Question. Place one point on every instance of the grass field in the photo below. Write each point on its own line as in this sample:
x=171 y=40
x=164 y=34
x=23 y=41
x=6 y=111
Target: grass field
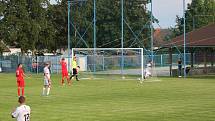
x=171 y=99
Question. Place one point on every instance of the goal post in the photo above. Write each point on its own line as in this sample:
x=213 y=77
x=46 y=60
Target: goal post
x=110 y=62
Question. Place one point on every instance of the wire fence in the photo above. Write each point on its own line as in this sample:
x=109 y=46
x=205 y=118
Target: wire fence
x=35 y=64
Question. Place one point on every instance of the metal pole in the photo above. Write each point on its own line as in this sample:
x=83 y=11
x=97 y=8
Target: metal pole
x=57 y=64
x=193 y=22
x=69 y=2
x=184 y=39
x=103 y=61
x=122 y=36
x=142 y=66
x=161 y=60
x=94 y=34
x=37 y=65
x=72 y=55
x=18 y=58
x=152 y=39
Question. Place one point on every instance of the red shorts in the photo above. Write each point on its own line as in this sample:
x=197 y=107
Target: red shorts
x=20 y=83
x=64 y=73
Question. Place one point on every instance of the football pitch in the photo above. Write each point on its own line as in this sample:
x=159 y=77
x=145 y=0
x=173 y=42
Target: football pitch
x=170 y=99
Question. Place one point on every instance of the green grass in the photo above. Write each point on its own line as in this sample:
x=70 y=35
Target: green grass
x=171 y=99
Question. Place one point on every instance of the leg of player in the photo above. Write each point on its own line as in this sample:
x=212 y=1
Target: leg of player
x=76 y=76
x=62 y=81
x=18 y=87
x=71 y=76
x=73 y=73
x=179 y=71
x=48 y=89
x=144 y=77
x=45 y=87
x=68 y=80
x=77 y=69
x=44 y=90
x=18 y=91
x=23 y=87
x=23 y=91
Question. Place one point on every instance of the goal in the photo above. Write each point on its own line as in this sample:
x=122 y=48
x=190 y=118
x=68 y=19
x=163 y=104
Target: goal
x=111 y=63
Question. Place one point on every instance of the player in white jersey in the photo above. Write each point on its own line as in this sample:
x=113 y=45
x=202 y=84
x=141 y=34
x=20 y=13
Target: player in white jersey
x=148 y=70
x=22 y=113
x=47 y=80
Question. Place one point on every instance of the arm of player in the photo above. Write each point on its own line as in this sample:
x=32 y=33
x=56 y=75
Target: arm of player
x=15 y=113
x=17 y=73
x=26 y=75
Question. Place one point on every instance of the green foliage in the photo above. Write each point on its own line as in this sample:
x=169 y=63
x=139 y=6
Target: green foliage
x=36 y=24
x=199 y=13
x=24 y=23
x=108 y=22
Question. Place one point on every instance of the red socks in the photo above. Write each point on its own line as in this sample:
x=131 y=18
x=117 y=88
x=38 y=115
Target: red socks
x=62 y=81
x=18 y=91
x=22 y=91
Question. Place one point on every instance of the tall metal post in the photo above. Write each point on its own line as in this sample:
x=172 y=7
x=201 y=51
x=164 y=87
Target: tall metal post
x=142 y=66
x=69 y=3
x=122 y=36
x=37 y=60
x=193 y=23
x=152 y=39
x=184 y=38
x=94 y=34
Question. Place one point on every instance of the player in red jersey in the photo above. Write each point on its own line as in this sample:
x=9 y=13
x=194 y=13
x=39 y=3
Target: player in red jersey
x=64 y=71
x=20 y=79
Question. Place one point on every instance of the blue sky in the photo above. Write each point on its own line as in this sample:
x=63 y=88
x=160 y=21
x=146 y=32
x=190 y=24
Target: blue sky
x=165 y=11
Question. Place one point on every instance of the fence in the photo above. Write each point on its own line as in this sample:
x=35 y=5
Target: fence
x=35 y=64
x=32 y=64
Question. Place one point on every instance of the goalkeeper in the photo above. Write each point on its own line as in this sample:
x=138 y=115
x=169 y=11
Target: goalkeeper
x=148 y=70
x=74 y=69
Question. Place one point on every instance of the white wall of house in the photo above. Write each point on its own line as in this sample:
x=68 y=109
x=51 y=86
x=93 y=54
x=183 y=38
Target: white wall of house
x=13 y=51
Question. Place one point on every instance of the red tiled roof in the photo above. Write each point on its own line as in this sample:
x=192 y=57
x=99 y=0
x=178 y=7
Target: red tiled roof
x=203 y=37
x=159 y=36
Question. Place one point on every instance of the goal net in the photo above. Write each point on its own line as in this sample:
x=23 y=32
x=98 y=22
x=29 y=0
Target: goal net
x=110 y=63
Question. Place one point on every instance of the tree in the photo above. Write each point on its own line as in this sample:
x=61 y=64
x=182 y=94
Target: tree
x=24 y=24
x=108 y=23
x=199 y=13
x=36 y=24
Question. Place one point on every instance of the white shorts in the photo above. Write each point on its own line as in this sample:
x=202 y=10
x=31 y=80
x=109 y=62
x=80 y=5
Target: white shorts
x=147 y=72
x=46 y=82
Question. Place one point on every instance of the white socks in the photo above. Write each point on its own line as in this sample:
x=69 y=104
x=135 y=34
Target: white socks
x=46 y=92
